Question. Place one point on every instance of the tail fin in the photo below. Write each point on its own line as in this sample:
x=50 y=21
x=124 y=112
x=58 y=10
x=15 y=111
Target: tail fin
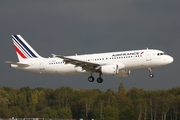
x=23 y=49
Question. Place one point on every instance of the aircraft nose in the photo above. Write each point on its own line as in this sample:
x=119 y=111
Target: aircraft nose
x=170 y=59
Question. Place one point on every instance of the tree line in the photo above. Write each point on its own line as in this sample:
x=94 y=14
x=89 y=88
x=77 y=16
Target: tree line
x=65 y=102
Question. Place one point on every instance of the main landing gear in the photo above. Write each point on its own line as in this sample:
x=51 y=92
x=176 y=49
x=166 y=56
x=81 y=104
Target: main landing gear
x=91 y=78
x=151 y=75
x=99 y=79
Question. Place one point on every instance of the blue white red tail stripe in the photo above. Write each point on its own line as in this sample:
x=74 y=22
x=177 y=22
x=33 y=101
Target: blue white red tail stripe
x=17 y=38
x=19 y=52
x=23 y=49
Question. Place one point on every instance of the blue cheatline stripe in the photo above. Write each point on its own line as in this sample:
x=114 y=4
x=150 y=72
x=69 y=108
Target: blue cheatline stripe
x=17 y=38
x=20 y=46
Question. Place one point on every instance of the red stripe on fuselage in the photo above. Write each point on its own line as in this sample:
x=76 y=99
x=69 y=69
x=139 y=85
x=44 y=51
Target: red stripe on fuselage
x=19 y=52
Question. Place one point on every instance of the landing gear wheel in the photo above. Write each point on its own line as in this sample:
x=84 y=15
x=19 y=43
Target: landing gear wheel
x=91 y=79
x=151 y=75
x=99 y=80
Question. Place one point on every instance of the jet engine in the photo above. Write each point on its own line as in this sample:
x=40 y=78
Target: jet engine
x=109 y=69
x=112 y=69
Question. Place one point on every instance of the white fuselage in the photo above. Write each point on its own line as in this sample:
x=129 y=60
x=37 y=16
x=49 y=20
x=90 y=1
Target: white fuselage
x=135 y=59
x=118 y=64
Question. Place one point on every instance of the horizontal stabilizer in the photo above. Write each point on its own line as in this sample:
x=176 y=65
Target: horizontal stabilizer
x=17 y=63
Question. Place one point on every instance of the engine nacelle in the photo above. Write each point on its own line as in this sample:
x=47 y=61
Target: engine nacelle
x=109 y=69
x=112 y=69
x=123 y=73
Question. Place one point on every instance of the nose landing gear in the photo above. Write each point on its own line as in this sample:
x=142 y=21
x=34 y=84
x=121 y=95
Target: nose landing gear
x=151 y=75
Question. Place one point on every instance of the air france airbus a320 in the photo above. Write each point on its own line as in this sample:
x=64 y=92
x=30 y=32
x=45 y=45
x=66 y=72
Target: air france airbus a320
x=117 y=64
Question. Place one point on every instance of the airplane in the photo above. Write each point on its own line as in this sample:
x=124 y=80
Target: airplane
x=117 y=64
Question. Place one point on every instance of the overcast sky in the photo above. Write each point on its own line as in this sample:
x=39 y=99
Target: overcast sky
x=69 y=27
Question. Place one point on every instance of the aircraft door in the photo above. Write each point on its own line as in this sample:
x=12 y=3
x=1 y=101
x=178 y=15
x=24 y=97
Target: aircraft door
x=41 y=65
x=148 y=56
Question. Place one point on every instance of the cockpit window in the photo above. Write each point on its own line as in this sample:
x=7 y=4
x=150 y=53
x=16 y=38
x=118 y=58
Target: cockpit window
x=161 y=54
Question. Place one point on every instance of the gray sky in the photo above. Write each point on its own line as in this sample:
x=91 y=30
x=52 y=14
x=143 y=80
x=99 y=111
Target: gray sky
x=68 y=27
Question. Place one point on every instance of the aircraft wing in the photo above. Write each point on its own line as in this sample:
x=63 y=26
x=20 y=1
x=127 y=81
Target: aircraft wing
x=17 y=63
x=79 y=63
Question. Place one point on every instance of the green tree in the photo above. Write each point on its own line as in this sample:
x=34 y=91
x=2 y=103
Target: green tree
x=49 y=113
x=137 y=97
x=126 y=108
x=110 y=113
x=22 y=103
x=63 y=96
x=35 y=96
x=110 y=98
x=16 y=112
x=4 y=102
x=165 y=103
x=121 y=89
x=64 y=113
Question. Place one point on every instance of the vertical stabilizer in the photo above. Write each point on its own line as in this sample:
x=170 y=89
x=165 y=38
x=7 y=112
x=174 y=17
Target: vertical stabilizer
x=23 y=49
